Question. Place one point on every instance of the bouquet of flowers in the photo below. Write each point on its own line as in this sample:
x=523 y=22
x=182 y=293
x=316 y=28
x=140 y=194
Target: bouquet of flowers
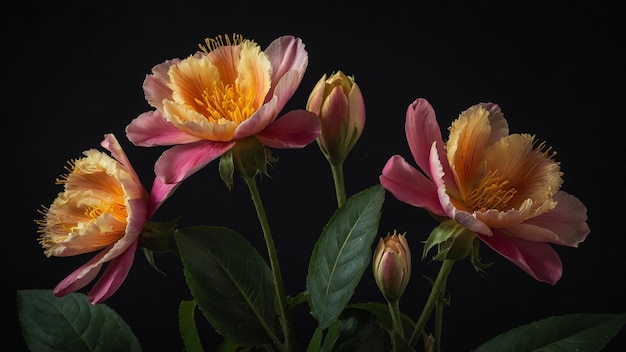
x=485 y=187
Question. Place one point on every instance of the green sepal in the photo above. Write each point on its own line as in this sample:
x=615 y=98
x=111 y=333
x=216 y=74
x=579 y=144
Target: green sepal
x=227 y=169
x=158 y=237
x=475 y=257
x=453 y=240
x=249 y=157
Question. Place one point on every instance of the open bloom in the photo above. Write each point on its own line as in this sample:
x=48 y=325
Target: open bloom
x=209 y=101
x=505 y=188
x=391 y=264
x=103 y=208
x=339 y=103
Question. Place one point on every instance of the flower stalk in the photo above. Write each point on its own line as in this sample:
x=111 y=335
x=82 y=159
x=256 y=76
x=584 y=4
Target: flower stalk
x=433 y=299
x=336 y=167
x=290 y=341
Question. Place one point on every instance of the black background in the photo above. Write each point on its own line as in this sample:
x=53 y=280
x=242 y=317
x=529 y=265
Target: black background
x=73 y=72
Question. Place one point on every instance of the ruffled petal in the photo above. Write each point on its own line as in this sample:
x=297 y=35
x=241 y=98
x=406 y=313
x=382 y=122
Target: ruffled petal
x=155 y=86
x=113 y=276
x=568 y=220
x=409 y=185
x=499 y=125
x=538 y=259
x=181 y=161
x=152 y=129
x=466 y=219
x=295 y=129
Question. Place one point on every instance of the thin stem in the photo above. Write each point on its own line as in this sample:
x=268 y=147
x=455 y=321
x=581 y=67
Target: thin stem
x=396 y=318
x=435 y=294
x=290 y=342
x=439 y=318
x=336 y=167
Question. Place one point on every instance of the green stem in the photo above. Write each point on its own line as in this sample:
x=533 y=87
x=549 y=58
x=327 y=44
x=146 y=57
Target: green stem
x=434 y=297
x=396 y=318
x=290 y=342
x=439 y=317
x=336 y=167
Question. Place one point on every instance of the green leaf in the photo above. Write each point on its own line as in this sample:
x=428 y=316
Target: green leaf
x=574 y=332
x=381 y=311
x=71 y=323
x=315 y=344
x=187 y=326
x=342 y=253
x=231 y=283
x=359 y=331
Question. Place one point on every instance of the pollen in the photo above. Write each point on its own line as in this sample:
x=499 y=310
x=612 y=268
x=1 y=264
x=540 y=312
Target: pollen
x=491 y=193
x=220 y=41
x=226 y=102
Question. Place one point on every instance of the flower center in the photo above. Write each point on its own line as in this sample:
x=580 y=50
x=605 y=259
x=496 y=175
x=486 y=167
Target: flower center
x=491 y=193
x=226 y=102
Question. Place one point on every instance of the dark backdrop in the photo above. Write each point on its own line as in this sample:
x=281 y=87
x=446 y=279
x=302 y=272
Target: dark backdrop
x=73 y=72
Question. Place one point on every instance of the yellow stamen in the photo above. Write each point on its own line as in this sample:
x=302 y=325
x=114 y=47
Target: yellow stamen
x=490 y=193
x=224 y=102
x=219 y=41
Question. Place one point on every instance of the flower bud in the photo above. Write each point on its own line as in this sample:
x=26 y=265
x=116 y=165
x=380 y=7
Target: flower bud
x=392 y=266
x=338 y=102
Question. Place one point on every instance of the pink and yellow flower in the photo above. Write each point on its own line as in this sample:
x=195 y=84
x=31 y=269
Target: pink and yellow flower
x=232 y=90
x=503 y=187
x=103 y=208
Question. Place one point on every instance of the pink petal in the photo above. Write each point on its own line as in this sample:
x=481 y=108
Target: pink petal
x=111 y=144
x=409 y=185
x=181 y=161
x=568 y=220
x=113 y=276
x=499 y=125
x=258 y=121
x=155 y=85
x=137 y=219
x=151 y=129
x=286 y=54
x=464 y=218
x=538 y=259
x=159 y=193
x=80 y=277
x=285 y=88
x=422 y=130
x=295 y=129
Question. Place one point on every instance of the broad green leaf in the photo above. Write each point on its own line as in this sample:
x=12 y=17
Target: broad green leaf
x=231 y=283
x=187 y=326
x=359 y=330
x=381 y=311
x=573 y=332
x=315 y=344
x=71 y=323
x=342 y=253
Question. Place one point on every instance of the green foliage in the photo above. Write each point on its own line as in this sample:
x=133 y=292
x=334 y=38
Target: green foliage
x=231 y=283
x=574 y=332
x=187 y=326
x=342 y=253
x=71 y=323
